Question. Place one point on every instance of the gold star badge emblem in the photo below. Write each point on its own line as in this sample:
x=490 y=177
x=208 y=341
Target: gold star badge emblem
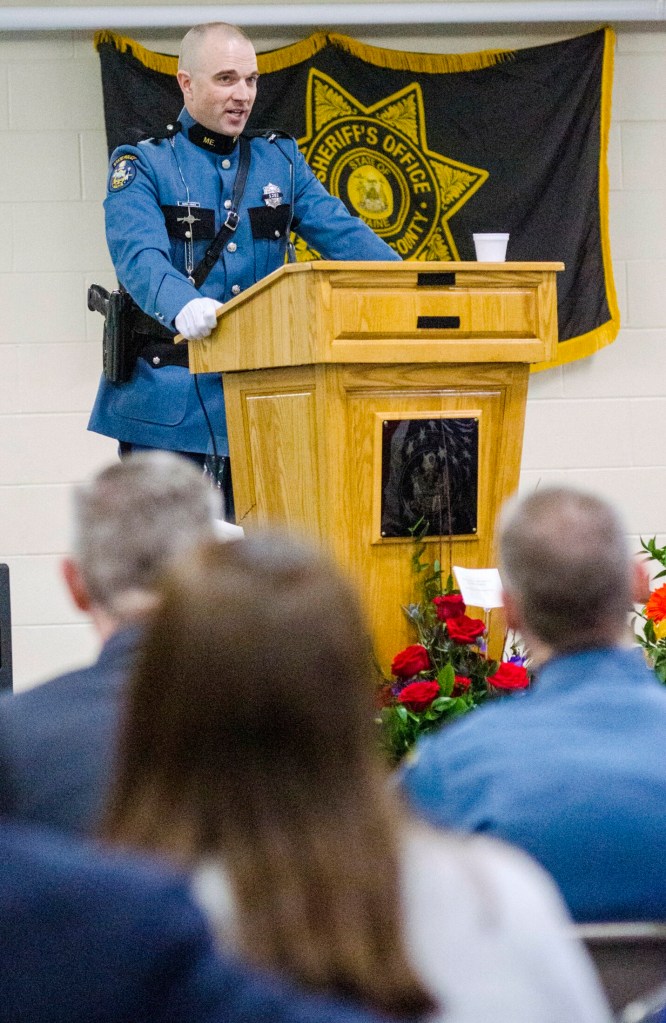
x=376 y=160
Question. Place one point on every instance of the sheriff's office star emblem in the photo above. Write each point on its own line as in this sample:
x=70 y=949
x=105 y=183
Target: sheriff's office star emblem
x=376 y=160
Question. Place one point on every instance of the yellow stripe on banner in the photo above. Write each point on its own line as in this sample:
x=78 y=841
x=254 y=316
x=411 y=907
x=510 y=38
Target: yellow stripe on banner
x=578 y=347
x=288 y=56
x=163 y=62
x=296 y=53
x=435 y=63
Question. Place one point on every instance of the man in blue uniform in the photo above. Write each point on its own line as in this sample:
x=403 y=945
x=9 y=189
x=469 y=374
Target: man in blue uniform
x=574 y=771
x=167 y=198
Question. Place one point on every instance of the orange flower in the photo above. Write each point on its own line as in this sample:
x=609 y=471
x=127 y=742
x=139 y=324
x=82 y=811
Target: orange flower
x=655 y=609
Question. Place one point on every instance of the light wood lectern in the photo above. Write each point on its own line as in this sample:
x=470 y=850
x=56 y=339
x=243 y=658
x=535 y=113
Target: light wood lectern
x=350 y=387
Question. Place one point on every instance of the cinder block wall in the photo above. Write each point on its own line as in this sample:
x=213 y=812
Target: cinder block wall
x=598 y=422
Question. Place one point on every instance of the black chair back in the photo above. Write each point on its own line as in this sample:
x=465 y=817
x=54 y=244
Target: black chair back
x=6 y=672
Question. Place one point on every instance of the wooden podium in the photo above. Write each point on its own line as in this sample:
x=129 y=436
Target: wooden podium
x=332 y=370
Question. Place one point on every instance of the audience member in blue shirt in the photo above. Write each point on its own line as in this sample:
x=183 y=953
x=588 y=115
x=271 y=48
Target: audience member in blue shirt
x=574 y=771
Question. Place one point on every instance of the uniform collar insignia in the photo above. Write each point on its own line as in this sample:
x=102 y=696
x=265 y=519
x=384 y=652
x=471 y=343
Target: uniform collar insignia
x=211 y=140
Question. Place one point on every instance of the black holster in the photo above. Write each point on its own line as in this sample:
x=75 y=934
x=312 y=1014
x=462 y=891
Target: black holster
x=119 y=352
x=129 y=334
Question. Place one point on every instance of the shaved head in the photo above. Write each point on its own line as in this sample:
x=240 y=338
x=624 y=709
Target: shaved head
x=190 y=47
x=218 y=74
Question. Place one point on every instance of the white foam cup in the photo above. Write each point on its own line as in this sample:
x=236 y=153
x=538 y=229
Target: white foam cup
x=490 y=248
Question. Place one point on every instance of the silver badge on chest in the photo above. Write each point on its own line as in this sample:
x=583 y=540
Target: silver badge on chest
x=272 y=195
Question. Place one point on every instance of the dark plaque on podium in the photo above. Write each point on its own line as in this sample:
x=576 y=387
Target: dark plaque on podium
x=430 y=472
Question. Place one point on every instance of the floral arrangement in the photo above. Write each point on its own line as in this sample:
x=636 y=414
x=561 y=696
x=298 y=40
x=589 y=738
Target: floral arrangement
x=446 y=673
x=652 y=636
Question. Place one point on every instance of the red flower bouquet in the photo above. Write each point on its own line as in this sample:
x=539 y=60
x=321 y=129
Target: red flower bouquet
x=444 y=674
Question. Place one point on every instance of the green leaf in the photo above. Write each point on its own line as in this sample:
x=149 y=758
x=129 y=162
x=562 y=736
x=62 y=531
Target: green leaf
x=656 y=553
x=660 y=670
x=460 y=706
x=446 y=677
x=441 y=703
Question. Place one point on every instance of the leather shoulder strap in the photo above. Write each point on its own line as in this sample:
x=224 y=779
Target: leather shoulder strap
x=212 y=254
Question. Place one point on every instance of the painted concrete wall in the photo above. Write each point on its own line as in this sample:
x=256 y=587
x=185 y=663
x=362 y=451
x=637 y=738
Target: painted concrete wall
x=599 y=422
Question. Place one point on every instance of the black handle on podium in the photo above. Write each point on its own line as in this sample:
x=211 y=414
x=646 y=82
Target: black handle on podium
x=437 y=322
x=6 y=676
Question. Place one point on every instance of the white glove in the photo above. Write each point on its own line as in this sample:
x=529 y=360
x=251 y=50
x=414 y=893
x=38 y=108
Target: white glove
x=196 y=319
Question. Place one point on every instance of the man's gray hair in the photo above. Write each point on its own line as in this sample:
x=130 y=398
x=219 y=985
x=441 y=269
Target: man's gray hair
x=564 y=558
x=131 y=520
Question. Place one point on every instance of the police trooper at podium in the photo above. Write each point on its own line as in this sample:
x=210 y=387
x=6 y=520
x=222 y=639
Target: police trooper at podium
x=168 y=199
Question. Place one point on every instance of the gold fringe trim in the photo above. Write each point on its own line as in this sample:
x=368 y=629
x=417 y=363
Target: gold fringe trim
x=579 y=347
x=434 y=63
x=587 y=344
x=163 y=62
x=289 y=56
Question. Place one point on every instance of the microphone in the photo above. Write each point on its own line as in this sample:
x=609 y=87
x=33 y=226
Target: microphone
x=272 y=137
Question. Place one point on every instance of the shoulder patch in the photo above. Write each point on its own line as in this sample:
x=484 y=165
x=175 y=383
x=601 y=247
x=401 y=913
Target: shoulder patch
x=123 y=172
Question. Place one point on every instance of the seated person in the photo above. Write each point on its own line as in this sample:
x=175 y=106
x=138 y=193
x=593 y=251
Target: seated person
x=573 y=772
x=86 y=938
x=249 y=758
x=57 y=740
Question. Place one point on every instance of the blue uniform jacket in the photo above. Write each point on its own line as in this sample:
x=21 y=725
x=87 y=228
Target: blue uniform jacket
x=159 y=407
x=574 y=772
x=87 y=938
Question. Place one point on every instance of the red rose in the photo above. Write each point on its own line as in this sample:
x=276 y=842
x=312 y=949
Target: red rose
x=465 y=629
x=410 y=661
x=460 y=684
x=450 y=606
x=510 y=676
x=419 y=695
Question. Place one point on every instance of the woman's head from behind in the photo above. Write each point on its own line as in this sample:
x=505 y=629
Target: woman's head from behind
x=253 y=695
x=249 y=739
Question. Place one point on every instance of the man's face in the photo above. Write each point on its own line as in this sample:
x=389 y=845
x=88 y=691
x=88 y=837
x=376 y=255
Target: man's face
x=221 y=89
